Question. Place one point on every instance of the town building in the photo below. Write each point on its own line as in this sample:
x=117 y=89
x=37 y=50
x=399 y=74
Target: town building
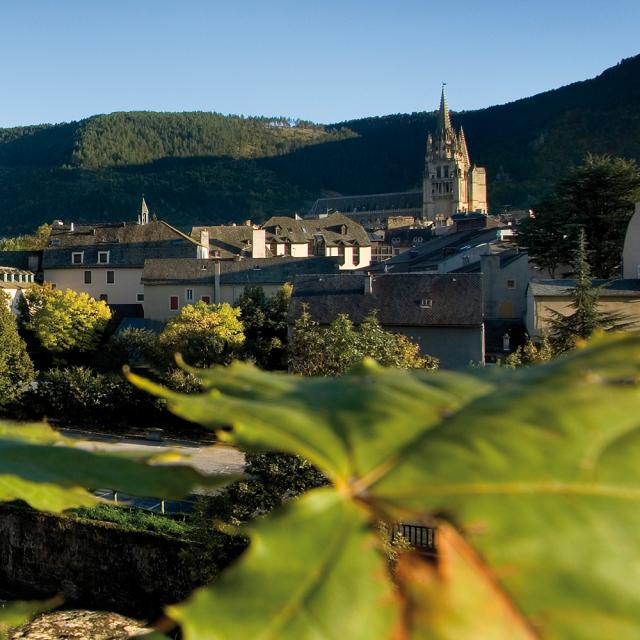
x=333 y=235
x=631 y=251
x=170 y=284
x=13 y=282
x=106 y=260
x=441 y=313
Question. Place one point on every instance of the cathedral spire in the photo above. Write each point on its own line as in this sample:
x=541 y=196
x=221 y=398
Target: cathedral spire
x=444 y=119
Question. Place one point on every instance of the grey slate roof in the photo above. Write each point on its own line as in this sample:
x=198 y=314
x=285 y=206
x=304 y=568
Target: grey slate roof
x=258 y=271
x=455 y=300
x=129 y=244
x=608 y=289
x=330 y=227
x=401 y=200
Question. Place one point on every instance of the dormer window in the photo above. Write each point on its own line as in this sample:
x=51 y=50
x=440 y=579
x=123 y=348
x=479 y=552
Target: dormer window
x=103 y=257
x=426 y=303
x=77 y=257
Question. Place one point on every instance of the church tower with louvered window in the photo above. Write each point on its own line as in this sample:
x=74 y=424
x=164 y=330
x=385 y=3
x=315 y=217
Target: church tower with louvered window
x=451 y=183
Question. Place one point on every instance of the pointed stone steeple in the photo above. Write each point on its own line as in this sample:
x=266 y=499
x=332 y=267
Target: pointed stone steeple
x=143 y=216
x=462 y=145
x=444 y=119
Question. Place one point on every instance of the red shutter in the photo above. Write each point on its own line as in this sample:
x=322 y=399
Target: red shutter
x=173 y=303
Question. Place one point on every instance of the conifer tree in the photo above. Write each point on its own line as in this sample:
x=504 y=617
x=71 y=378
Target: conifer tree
x=566 y=331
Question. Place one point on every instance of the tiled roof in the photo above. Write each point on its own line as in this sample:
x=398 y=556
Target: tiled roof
x=330 y=227
x=608 y=289
x=399 y=201
x=129 y=244
x=230 y=241
x=414 y=299
x=247 y=271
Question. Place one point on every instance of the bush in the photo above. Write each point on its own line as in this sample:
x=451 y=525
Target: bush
x=133 y=347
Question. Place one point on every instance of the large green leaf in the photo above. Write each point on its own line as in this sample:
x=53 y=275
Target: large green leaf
x=538 y=467
x=348 y=427
x=54 y=478
x=313 y=571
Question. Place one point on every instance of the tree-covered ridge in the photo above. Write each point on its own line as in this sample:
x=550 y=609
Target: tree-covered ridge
x=135 y=138
x=206 y=168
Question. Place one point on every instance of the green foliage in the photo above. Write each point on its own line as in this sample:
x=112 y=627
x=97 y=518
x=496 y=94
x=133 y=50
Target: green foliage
x=55 y=478
x=16 y=368
x=204 y=333
x=265 y=326
x=65 y=320
x=598 y=197
x=535 y=467
x=567 y=330
x=37 y=240
x=133 y=347
x=332 y=351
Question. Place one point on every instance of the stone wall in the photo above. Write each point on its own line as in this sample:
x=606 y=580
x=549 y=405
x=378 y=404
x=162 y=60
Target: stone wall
x=93 y=564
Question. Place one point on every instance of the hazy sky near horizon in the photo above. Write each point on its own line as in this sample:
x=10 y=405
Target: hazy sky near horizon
x=326 y=61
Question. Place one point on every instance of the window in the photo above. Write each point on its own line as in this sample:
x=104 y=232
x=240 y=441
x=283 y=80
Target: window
x=111 y=277
x=77 y=257
x=87 y=277
x=140 y=297
x=188 y=295
x=511 y=284
x=446 y=172
x=104 y=297
x=103 y=257
x=206 y=299
x=438 y=172
x=426 y=303
x=173 y=303
x=356 y=254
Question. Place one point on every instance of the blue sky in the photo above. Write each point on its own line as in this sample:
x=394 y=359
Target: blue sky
x=323 y=60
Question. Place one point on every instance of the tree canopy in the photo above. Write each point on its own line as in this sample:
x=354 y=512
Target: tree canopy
x=333 y=350
x=598 y=196
x=204 y=334
x=65 y=320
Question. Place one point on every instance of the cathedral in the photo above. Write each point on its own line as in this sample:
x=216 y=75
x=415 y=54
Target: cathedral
x=451 y=183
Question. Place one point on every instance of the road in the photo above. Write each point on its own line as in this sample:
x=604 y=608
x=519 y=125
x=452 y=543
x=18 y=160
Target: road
x=208 y=459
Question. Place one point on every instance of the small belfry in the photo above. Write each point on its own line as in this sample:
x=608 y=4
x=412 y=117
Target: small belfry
x=143 y=216
x=451 y=184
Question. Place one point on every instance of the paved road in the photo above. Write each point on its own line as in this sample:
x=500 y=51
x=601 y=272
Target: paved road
x=208 y=459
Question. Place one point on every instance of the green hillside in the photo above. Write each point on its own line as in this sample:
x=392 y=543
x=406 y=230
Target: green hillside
x=206 y=167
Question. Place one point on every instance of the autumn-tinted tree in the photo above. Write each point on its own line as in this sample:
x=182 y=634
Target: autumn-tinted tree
x=598 y=196
x=204 y=334
x=63 y=320
x=16 y=368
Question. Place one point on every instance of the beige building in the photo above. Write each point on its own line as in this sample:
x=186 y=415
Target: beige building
x=546 y=296
x=451 y=183
x=333 y=235
x=631 y=252
x=13 y=282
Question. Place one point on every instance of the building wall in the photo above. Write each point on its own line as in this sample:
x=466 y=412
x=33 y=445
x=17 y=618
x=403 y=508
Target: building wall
x=500 y=299
x=157 y=298
x=539 y=310
x=631 y=252
x=455 y=347
x=125 y=289
x=478 y=190
x=300 y=250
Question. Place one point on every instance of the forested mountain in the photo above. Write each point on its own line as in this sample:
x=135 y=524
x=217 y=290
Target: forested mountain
x=200 y=168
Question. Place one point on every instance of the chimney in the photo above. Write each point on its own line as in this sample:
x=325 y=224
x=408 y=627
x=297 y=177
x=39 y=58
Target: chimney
x=216 y=282
x=71 y=226
x=258 y=243
x=368 y=284
x=203 y=249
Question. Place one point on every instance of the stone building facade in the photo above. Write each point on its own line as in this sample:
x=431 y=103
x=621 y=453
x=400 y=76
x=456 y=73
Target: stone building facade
x=451 y=183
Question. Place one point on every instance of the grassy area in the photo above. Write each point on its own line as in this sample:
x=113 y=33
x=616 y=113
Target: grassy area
x=132 y=519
